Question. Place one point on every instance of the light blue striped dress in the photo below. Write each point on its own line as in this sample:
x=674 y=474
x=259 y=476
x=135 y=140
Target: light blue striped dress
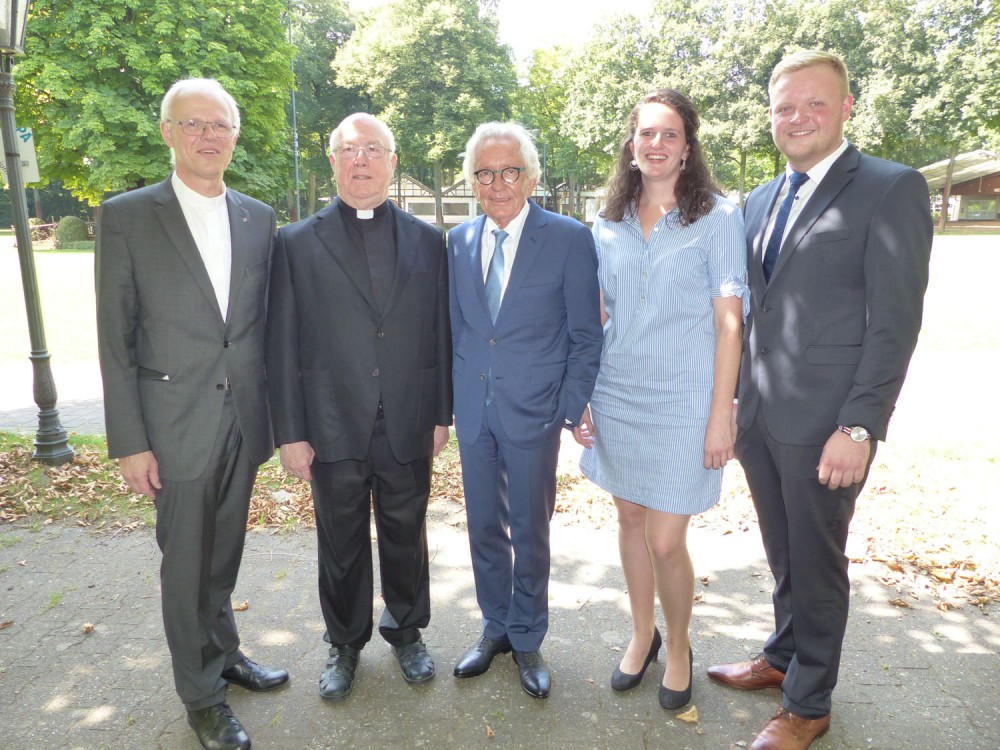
x=654 y=389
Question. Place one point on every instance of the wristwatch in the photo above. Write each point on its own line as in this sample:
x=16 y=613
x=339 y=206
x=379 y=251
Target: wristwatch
x=857 y=433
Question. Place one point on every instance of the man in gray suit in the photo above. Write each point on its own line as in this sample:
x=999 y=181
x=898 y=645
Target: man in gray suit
x=182 y=272
x=838 y=252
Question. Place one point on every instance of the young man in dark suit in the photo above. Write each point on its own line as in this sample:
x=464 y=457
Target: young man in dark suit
x=359 y=372
x=838 y=250
x=181 y=286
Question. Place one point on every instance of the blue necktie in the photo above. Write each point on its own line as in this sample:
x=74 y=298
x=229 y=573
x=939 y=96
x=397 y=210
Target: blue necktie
x=774 y=244
x=494 y=275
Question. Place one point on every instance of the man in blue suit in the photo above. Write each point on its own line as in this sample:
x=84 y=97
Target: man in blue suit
x=526 y=331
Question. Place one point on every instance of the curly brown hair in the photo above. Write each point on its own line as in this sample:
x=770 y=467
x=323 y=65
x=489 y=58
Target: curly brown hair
x=695 y=189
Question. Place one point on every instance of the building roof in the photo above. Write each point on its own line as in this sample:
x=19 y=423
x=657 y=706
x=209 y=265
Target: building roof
x=968 y=166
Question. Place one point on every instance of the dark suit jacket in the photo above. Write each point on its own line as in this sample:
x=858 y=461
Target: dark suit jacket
x=829 y=339
x=545 y=347
x=165 y=350
x=331 y=354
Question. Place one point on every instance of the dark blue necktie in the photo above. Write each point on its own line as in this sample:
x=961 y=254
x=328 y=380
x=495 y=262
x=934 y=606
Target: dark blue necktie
x=494 y=275
x=774 y=244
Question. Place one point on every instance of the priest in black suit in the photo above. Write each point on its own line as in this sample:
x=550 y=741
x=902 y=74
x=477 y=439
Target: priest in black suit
x=359 y=379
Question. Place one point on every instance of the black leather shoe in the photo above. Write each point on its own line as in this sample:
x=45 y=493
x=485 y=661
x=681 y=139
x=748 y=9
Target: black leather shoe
x=625 y=681
x=415 y=662
x=252 y=676
x=535 y=677
x=218 y=729
x=338 y=678
x=478 y=659
x=674 y=699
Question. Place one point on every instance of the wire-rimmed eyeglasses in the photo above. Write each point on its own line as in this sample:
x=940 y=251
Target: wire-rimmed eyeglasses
x=370 y=150
x=509 y=175
x=194 y=126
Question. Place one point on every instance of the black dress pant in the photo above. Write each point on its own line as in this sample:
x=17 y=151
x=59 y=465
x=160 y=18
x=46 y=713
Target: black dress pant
x=344 y=494
x=804 y=528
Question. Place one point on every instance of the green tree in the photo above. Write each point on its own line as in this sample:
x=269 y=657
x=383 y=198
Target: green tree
x=321 y=28
x=433 y=70
x=95 y=70
x=539 y=106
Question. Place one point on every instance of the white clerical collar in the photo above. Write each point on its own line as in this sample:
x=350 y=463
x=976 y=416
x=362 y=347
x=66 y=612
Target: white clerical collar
x=193 y=197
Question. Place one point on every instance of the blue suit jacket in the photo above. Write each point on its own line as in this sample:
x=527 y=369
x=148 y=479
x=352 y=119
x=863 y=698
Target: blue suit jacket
x=545 y=347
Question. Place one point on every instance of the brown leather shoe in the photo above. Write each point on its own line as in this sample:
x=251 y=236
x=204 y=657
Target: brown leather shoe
x=786 y=731
x=748 y=675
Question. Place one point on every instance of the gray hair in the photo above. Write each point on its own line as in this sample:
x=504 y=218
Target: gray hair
x=387 y=136
x=207 y=86
x=511 y=131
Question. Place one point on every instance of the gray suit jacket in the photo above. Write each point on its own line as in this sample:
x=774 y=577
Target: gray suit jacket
x=830 y=337
x=165 y=350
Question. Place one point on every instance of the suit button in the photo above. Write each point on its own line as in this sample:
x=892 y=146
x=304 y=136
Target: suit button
x=380 y=333
x=765 y=308
x=375 y=373
x=225 y=344
x=482 y=376
x=764 y=350
x=220 y=387
x=493 y=342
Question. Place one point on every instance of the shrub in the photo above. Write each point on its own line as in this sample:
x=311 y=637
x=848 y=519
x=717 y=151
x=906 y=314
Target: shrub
x=71 y=229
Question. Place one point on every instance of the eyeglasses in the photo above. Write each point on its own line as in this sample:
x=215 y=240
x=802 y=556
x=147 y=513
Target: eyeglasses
x=198 y=127
x=370 y=150
x=509 y=175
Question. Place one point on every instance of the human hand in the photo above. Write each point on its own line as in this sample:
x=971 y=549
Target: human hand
x=843 y=461
x=719 y=439
x=142 y=473
x=584 y=432
x=297 y=458
x=441 y=436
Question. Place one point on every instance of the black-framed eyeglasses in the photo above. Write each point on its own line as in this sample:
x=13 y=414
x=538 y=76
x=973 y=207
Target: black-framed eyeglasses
x=509 y=175
x=194 y=126
x=370 y=150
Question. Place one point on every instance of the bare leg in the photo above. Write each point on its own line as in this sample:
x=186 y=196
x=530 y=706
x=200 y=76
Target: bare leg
x=666 y=540
x=638 y=572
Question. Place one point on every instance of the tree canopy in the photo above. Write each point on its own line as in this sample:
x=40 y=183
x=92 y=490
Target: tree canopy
x=433 y=70
x=94 y=73
x=924 y=75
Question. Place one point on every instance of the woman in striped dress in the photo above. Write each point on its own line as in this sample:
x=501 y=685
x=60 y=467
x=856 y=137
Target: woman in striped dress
x=661 y=422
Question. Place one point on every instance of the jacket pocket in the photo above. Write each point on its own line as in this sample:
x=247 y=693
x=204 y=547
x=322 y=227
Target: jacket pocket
x=833 y=355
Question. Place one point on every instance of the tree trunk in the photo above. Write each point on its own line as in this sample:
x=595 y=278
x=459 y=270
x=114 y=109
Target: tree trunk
x=743 y=175
x=438 y=206
x=38 y=204
x=312 y=193
x=946 y=191
x=571 y=192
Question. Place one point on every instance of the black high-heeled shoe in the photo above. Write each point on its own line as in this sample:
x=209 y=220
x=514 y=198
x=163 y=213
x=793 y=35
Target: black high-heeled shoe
x=674 y=699
x=621 y=681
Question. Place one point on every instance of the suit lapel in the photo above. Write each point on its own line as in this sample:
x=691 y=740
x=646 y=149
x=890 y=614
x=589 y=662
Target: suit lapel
x=330 y=229
x=841 y=173
x=175 y=226
x=239 y=231
x=532 y=239
x=474 y=261
x=406 y=254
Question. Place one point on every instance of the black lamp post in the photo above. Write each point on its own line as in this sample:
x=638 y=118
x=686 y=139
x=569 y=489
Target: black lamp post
x=51 y=445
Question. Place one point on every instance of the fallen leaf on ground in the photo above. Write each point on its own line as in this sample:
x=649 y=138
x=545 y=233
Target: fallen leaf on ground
x=243 y=606
x=88 y=628
x=6 y=624
x=902 y=603
x=690 y=716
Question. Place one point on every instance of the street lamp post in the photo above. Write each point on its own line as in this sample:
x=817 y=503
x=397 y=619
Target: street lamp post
x=51 y=444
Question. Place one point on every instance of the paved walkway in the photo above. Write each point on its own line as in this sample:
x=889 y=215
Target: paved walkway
x=911 y=678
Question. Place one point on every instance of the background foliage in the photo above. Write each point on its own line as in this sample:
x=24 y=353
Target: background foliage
x=924 y=76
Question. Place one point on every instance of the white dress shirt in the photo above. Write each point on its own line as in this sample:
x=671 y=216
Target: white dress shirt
x=208 y=220
x=513 y=230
